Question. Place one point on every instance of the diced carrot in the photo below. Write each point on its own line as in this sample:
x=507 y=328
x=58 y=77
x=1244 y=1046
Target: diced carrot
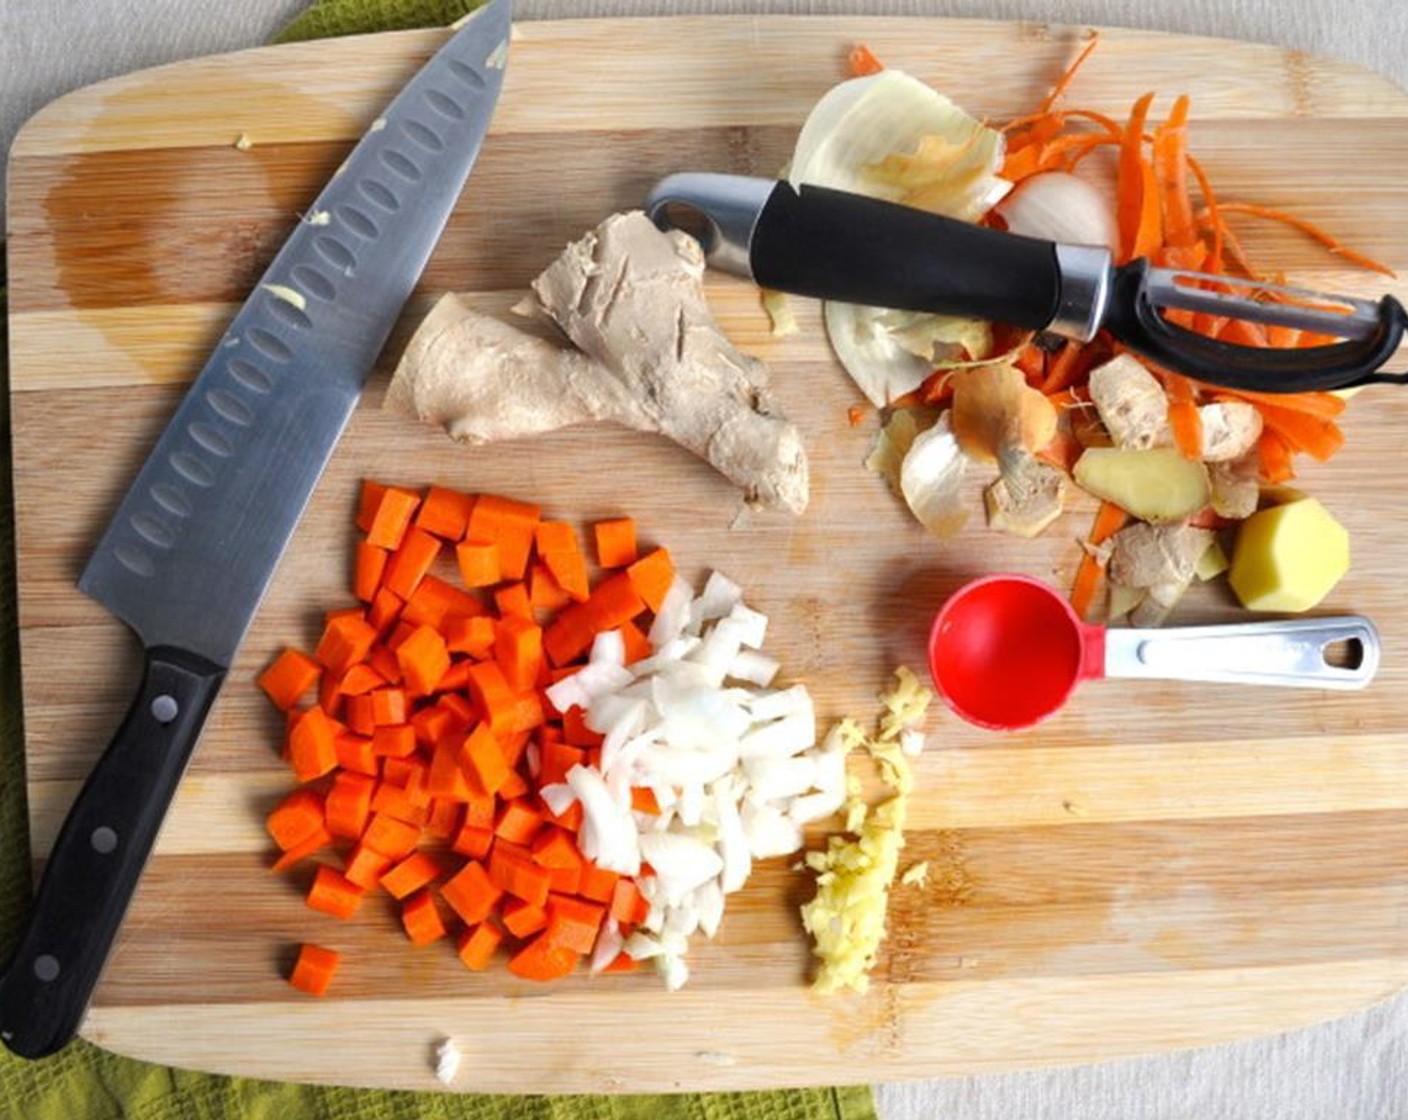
x=643 y=801
x=400 y=770
x=480 y=810
x=637 y=644
x=569 y=570
x=445 y=513
x=369 y=501
x=861 y=63
x=615 y=542
x=508 y=523
x=482 y=759
x=388 y=705
x=434 y=602
x=572 y=923
x=456 y=677
x=576 y=731
x=517 y=822
x=365 y=866
x=652 y=576
x=515 y=786
x=570 y=819
x=478 y=563
x=514 y=744
x=385 y=610
x=312 y=744
x=597 y=884
x=359 y=713
x=392 y=518
x=359 y=679
x=330 y=697
x=474 y=636
x=492 y=695
x=475 y=947
x=518 y=646
x=622 y=962
x=346 y=640
x=555 y=536
x=394 y=740
x=617 y=600
x=540 y=960
x=392 y=838
x=421 y=919
x=354 y=752
x=297 y=817
x=445 y=817
x=461 y=708
x=314 y=969
x=523 y=919
x=544 y=592
x=568 y=635
x=471 y=894
x=447 y=775
x=555 y=759
x=512 y=600
x=473 y=842
x=368 y=568
x=349 y=803
x=412 y=873
x=423 y=658
x=400 y=804
x=564 y=880
x=517 y=875
x=628 y=905
x=333 y=894
x=288 y=677
x=301 y=851
x=556 y=848
x=409 y=563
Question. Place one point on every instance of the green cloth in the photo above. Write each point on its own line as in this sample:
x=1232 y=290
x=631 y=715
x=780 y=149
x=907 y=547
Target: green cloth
x=83 y=1082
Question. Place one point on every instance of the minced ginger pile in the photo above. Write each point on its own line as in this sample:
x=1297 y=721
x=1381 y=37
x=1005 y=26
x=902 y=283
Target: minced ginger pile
x=847 y=918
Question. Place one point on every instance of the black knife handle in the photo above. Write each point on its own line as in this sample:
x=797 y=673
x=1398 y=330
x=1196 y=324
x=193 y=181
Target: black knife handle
x=842 y=246
x=92 y=871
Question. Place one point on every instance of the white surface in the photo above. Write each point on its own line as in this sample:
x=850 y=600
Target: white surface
x=1351 y=1069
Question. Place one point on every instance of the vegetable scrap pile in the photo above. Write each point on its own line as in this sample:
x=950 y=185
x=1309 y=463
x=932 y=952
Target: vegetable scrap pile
x=1173 y=461
x=585 y=788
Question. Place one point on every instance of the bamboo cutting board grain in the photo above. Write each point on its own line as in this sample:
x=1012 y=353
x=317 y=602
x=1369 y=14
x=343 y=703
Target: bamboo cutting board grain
x=1161 y=866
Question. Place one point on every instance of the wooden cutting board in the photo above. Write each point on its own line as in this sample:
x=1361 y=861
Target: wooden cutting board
x=1161 y=866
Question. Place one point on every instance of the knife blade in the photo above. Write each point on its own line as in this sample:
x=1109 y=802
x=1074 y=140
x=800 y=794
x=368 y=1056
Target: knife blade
x=191 y=548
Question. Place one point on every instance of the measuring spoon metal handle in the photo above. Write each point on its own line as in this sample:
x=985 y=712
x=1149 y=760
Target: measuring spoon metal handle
x=1289 y=653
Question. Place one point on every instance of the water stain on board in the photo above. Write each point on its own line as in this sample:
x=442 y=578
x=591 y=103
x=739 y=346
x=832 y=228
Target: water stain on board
x=173 y=226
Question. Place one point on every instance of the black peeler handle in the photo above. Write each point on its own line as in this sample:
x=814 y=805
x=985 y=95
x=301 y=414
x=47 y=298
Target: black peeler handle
x=836 y=245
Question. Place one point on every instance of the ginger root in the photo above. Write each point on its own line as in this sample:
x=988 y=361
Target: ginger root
x=646 y=353
x=1026 y=497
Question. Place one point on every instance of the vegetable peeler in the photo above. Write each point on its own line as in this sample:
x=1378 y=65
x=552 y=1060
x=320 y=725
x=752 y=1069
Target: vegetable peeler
x=815 y=241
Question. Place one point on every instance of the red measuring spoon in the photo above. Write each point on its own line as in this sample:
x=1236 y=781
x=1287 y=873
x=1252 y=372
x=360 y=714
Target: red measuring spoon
x=1007 y=651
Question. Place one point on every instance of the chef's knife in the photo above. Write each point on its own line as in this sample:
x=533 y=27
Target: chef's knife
x=190 y=550
x=838 y=245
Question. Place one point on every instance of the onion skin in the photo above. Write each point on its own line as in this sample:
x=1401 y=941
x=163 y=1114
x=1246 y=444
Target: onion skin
x=1059 y=206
